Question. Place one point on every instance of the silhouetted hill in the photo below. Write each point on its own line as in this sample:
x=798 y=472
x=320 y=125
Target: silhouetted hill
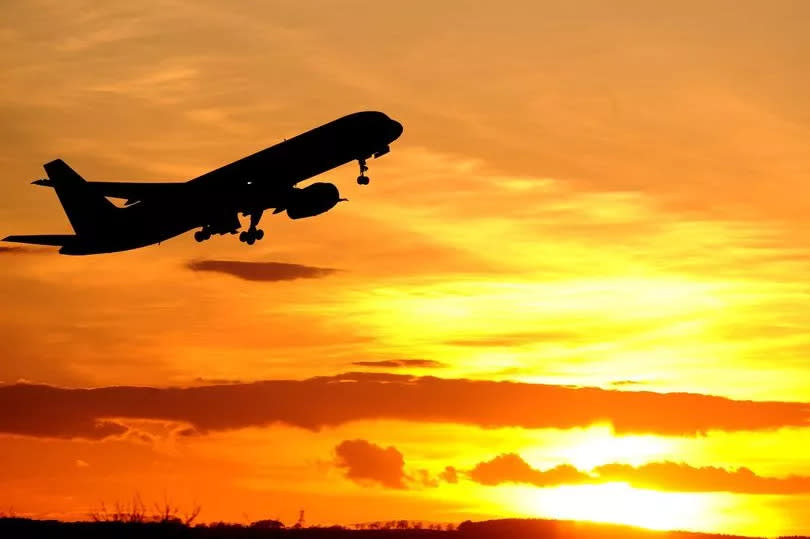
x=491 y=529
x=561 y=529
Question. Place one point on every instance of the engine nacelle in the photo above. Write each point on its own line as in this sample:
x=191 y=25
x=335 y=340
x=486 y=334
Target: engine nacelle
x=312 y=200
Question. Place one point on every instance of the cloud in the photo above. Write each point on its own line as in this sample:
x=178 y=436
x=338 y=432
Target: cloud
x=511 y=468
x=364 y=461
x=261 y=271
x=40 y=410
x=397 y=363
x=449 y=475
x=684 y=478
x=424 y=478
x=515 y=339
x=626 y=382
x=215 y=381
x=4 y=250
x=666 y=476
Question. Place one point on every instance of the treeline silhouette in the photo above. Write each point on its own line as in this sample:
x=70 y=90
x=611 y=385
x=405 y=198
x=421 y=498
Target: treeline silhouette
x=175 y=528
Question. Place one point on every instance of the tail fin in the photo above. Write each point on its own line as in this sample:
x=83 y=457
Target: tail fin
x=87 y=211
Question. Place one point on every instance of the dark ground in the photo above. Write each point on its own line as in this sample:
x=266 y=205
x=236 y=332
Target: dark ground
x=491 y=529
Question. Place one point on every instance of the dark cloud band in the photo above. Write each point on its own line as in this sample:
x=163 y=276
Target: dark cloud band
x=329 y=401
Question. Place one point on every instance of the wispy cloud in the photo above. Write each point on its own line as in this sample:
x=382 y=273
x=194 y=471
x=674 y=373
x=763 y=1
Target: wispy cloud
x=398 y=363
x=4 y=250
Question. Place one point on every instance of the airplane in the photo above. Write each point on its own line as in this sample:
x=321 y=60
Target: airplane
x=155 y=212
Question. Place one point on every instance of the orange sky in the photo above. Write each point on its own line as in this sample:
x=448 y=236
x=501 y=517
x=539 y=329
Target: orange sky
x=586 y=195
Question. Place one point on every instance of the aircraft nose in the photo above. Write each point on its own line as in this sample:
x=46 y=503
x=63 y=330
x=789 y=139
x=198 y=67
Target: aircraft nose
x=394 y=130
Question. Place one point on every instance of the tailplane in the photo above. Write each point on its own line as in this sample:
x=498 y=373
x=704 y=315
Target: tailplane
x=88 y=211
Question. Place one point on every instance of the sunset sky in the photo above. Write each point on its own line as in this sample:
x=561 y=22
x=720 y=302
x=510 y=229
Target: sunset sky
x=577 y=287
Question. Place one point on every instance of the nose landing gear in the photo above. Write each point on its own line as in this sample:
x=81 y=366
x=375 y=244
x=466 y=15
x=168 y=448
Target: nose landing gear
x=362 y=179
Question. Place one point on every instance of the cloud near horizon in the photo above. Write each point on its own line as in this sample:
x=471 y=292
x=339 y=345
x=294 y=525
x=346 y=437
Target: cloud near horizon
x=398 y=363
x=20 y=250
x=39 y=410
x=662 y=476
x=511 y=468
x=261 y=271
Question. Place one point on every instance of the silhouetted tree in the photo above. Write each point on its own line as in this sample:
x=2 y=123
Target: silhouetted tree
x=267 y=524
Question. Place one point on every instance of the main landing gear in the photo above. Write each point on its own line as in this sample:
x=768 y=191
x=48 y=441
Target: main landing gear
x=205 y=233
x=252 y=234
x=202 y=235
x=362 y=179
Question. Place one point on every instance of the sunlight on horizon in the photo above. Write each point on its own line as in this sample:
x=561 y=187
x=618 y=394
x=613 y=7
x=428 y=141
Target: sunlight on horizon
x=619 y=503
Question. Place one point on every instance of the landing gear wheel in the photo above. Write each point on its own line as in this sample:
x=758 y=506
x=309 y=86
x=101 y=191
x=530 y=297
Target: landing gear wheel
x=243 y=236
x=202 y=235
x=362 y=179
x=251 y=239
x=259 y=234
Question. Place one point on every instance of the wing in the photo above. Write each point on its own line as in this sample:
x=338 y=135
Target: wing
x=252 y=168
x=132 y=192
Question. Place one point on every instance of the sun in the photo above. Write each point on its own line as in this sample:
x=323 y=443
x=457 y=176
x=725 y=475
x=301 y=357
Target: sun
x=598 y=444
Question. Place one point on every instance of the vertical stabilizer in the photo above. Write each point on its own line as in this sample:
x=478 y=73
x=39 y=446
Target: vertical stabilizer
x=88 y=212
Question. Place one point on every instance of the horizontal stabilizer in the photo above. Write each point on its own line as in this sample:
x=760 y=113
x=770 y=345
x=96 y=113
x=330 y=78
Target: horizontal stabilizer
x=43 y=239
x=43 y=181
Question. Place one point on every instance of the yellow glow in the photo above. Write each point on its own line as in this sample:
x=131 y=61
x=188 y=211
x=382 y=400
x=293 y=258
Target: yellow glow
x=588 y=448
x=617 y=503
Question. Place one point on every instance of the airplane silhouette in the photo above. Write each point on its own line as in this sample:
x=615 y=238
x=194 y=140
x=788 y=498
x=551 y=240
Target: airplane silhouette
x=155 y=212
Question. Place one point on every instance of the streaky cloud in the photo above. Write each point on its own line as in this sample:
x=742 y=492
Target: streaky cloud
x=515 y=339
x=4 y=250
x=261 y=271
x=398 y=363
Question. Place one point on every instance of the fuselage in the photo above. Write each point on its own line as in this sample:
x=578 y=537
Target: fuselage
x=254 y=183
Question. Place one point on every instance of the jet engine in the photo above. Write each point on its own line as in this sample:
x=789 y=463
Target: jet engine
x=312 y=200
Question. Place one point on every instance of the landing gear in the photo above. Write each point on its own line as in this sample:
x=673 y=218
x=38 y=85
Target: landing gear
x=252 y=234
x=362 y=179
x=226 y=222
x=202 y=235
